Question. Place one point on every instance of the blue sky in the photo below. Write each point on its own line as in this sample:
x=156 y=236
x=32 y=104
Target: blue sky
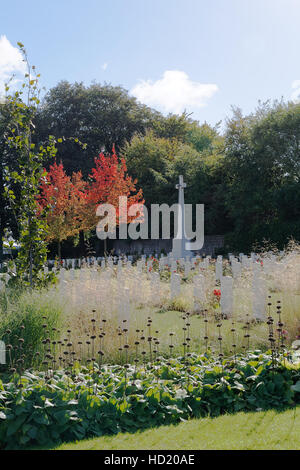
x=201 y=55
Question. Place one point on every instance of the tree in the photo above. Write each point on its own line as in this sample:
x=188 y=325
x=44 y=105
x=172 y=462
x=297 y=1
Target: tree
x=8 y=164
x=71 y=202
x=99 y=115
x=64 y=198
x=261 y=172
x=30 y=160
x=204 y=138
x=158 y=161
x=108 y=181
x=172 y=127
x=149 y=159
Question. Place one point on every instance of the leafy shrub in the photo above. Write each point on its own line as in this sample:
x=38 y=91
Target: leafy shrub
x=95 y=402
x=179 y=304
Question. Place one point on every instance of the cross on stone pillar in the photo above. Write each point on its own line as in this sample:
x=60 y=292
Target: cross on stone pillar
x=178 y=248
x=181 y=184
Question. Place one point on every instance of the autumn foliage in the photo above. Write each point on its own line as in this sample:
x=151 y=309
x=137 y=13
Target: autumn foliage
x=108 y=181
x=71 y=202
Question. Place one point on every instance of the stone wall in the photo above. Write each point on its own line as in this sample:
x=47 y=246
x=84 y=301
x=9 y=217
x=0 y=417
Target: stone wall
x=211 y=244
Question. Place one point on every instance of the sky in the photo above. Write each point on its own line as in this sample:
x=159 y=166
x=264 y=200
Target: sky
x=201 y=56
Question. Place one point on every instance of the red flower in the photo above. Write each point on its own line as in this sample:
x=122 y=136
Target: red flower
x=217 y=292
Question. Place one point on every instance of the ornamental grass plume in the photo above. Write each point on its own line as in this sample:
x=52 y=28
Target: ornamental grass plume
x=89 y=303
x=220 y=339
x=233 y=331
x=206 y=330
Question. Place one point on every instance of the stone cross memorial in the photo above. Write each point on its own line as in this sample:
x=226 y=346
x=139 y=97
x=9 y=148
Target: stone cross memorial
x=178 y=247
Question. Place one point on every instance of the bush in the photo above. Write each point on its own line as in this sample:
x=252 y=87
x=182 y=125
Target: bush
x=179 y=304
x=20 y=309
x=94 y=402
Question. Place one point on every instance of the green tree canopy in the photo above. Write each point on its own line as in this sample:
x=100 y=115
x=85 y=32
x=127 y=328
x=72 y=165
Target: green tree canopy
x=99 y=116
x=261 y=174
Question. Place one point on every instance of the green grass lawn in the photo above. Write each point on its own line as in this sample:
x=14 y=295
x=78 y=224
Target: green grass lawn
x=261 y=430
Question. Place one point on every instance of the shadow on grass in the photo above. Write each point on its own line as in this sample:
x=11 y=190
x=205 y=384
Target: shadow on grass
x=253 y=429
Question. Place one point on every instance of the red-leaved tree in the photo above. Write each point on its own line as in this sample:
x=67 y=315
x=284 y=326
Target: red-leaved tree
x=65 y=198
x=108 y=181
x=72 y=202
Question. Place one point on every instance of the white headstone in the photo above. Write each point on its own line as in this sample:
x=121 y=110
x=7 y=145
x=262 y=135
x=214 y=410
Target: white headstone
x=199 y=291
x=155 y=287
x=259 y=297
x=187 y=268
x=2 y=353
x=245 y=262
x=72 y=274
x=62 y=273
x=226 y=295
x=236 y=268
x=173 y=266
x=175 y=285
x=219 y=270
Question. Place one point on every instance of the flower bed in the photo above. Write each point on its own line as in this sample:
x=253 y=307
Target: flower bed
x=40 y=410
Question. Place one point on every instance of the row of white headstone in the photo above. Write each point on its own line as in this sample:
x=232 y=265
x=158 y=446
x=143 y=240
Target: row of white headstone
x=259 y=291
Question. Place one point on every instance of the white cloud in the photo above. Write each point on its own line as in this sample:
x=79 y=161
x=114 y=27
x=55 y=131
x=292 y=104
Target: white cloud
x=11 y=61
x=295 y=96
x=174 y=92
x=104 y=66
